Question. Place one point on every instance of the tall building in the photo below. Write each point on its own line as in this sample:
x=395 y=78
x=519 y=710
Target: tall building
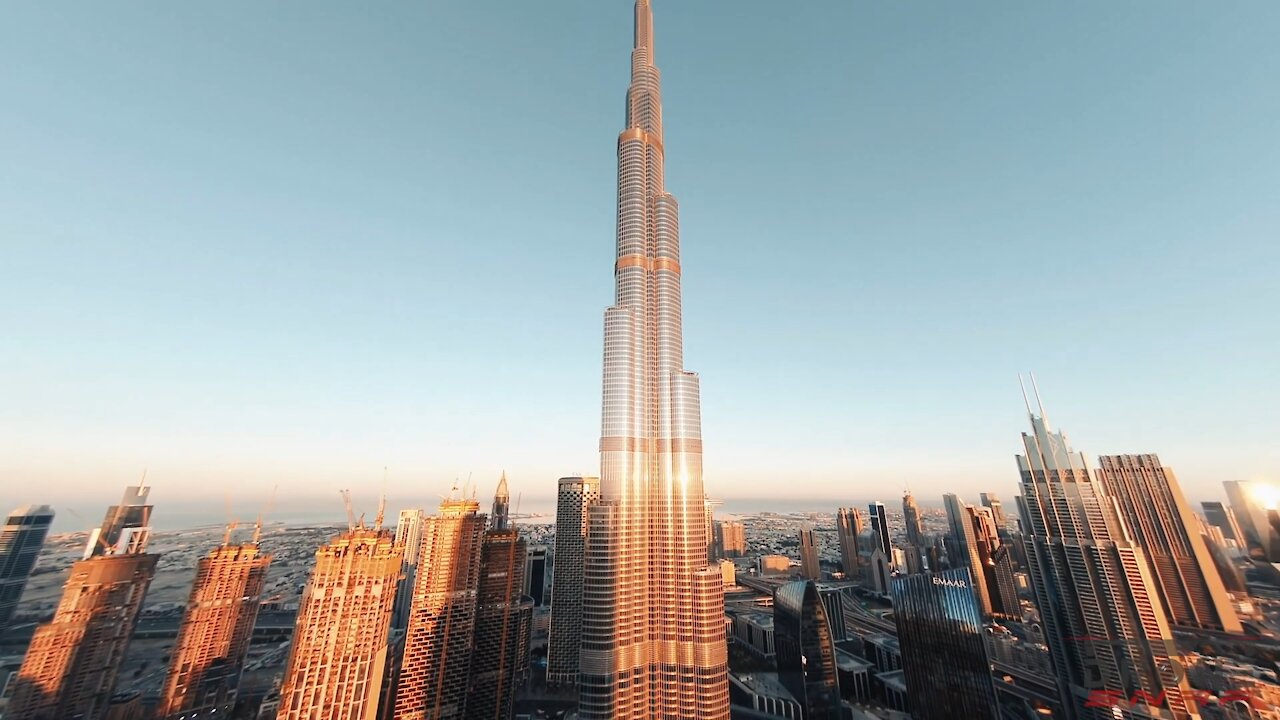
x=848 y=527
x=964 y=550
x=992 y=503
x=409 y=540
x=911 y=517
x=20 y=542
x=943 y=645
x=809 y=566
x=209 y=654
x=535 y=574
x=500 y=648
x=730 y=539
x=1160 y=520
x=995 y=562
x=73 y=660
x=574 y=496
x=1262 y=539
x=435 y=670
x=340 y=646
x=1102 y=617
x=1223 y=518
x=806 y=650
x=880 y=528
x=653 y=635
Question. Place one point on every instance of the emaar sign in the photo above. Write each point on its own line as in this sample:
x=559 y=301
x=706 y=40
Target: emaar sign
x=947 y=582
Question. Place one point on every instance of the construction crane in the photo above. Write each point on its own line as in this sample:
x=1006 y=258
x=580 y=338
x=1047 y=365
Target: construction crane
x=351 y=513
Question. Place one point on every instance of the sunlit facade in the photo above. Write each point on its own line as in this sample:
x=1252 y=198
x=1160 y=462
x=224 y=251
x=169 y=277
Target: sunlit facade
x=208 y=656
x=653 y=637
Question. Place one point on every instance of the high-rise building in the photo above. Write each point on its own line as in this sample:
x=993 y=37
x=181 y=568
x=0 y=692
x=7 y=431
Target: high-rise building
x=1102 y=617
x=1160 y=520
x=992 y=503
x=574 y=496
x=730 y=539
x=500 y=649
x=1262 y=539
x=1223 y=518
x=880 y=528
x=340 y=646
x=535 y=575
x=944 y=650
x=73 y=660
x=20 y=542
x=880 y=569
x=409 y=540
x=806 y=650
x=848 y=527
x=809 y=566
x=964 y=550
x=434 y=673
x=996 y=563
x=209 y=654
x=653 y=635
x=911 y=517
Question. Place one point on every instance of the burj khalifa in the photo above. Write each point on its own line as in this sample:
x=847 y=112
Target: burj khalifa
x=653 y=635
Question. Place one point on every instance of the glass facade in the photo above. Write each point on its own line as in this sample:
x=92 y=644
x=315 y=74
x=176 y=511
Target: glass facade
x=944 y=653
x=806 y=652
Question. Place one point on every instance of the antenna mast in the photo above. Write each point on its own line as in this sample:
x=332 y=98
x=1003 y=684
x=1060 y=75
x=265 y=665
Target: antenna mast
x=351 y=513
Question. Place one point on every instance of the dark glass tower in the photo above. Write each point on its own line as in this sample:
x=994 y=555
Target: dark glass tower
x=944 y=653
x=20 y=543
x=806 y=652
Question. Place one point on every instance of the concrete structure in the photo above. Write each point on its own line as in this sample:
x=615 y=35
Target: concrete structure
x=409 y=540
x=1101 y=614
x=435 y=670
x=73 y=660
x=1158 y=517
x=208 y=657
x=20 y=542
x=773 y=565
x=730 y=539
x=810 y=568
x=729 y=573
x=341 y=640
x=944 y=655
x=653 y=641
x=574 y=496
x=848 y=527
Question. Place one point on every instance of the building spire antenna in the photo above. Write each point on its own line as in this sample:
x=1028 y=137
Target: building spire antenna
x=1036 y=389
x=1025 y=400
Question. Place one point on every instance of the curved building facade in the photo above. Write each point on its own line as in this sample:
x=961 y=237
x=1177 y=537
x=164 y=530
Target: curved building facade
x=806 y=650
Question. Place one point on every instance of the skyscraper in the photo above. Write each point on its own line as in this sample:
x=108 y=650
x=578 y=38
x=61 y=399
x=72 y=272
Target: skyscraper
x=964 y=547
x=20 y=542
x=809 y=566
x=944 y=651
x=1102 y=618
x=1223 y=518
x=535 y=575
x=73 y=660
x=992 y=502
x=1160 y=520
x=911 y=517
x=575 y=495
x=208 y=656
x=409 y=540
x=500 y=648
x=653 y=642
x=340 y=641
x=434 y=673
x=1262 y=540
x=806 y=650
x=848 y=527
x=730 y=539
x=880 y=527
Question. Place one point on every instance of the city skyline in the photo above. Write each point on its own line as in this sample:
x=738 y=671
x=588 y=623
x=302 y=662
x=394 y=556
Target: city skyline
x=295 y=333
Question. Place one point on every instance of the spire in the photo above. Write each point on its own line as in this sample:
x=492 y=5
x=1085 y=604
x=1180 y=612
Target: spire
x=501 y=505
x=644 y=30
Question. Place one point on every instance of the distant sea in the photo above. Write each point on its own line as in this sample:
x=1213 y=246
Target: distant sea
x=314 y=511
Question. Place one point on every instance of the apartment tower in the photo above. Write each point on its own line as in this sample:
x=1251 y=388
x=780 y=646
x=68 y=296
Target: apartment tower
x=574 y=496
x=20 y=542
x=848 y=528
x=340 y=642
x=809 y=566
x=208 y=656
x=653 y=635
x=73 y=660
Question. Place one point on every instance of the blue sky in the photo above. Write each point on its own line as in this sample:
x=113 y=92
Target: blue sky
x=249 y=244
